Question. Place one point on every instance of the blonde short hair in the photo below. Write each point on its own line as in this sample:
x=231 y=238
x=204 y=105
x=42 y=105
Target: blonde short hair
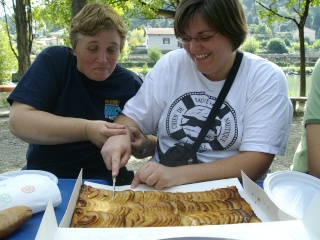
x=92 y=19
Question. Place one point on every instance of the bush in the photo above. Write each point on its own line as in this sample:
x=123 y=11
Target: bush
x=316 y=45
x=287 y=42
x=295 y=47
x=282 y=64
x=154 y=54
x=3 y=99
x=145 y=69
x=139 y=51
x=136 y=64
x=251 y=45
x=309 y=70
x=277 y=45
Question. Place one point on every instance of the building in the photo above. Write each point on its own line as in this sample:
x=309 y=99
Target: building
x=163 y=38
x=308 y=32
x=54 y=39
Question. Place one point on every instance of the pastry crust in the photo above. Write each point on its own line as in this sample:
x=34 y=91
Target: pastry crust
x=95 y=208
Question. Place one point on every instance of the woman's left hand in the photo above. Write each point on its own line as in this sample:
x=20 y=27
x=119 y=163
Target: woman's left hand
x=156 y=175
x=98 y=132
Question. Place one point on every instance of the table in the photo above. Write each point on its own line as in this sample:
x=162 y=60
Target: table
x=29 y=230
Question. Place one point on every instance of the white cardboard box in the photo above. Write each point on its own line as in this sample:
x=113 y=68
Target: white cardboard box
x=276 y=224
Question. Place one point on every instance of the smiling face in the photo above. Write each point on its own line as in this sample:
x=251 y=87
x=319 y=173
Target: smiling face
x=97 y=55
x=212 y=56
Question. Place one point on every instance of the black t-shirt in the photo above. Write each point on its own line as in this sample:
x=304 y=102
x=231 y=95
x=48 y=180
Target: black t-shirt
x=53 y=84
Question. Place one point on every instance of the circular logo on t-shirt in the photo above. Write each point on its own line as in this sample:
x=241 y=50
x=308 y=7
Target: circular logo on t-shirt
x=188 y=114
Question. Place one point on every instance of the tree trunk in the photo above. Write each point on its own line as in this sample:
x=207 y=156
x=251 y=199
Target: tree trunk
x=77 y=5
x=302 y=63
x=24 y=34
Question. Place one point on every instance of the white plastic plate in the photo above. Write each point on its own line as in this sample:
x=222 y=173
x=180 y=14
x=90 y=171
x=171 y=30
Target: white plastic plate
x=291 y=191
x=7 y=175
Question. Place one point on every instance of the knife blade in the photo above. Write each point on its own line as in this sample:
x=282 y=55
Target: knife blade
x=114 y=186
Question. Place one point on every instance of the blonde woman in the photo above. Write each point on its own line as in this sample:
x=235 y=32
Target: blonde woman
x=65 y=104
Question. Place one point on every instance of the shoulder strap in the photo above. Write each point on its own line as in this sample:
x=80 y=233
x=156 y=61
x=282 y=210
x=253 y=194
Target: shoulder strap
x=222 y=95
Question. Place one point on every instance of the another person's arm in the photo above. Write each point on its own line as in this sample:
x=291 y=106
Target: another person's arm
x=312 y=123
x=39 y=127
x=313 y=149
x=117 y=149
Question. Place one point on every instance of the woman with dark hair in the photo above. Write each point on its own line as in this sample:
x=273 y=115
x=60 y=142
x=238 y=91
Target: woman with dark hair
x=253 y=123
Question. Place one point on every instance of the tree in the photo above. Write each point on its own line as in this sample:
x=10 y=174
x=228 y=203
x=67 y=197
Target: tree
x=154 y=8
x=297 y=12
x=8 y=61
x=23 y=21
x=77 y=5
x=24 y=14
x=136 y=37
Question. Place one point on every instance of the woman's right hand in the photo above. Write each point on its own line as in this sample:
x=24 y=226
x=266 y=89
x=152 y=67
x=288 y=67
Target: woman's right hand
x=116 y=152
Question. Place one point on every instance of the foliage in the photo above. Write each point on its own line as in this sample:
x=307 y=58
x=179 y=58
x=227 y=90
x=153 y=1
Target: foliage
x=287 y=42
x=20 y=13
x=277 y=45
x=136 y=38
x=124 y=53
x=139 y=51
x=309 y=70
x=295 y=46
x=145 y=69
x=37 y=48
x=8 y=61
x=262 y=32
x=154 y=53
x=152 y=9
x=3 y=99
x=251 y=45
x=316 y=45
x=141 y=71
x=295 y=11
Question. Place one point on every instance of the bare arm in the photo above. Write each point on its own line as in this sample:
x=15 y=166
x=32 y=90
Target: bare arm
x=313 y=149
x=254 y=164
x=39 y=127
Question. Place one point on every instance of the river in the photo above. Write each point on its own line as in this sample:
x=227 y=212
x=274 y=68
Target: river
x=294 y=85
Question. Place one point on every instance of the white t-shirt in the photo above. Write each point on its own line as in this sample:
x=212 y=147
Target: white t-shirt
x=175 y=100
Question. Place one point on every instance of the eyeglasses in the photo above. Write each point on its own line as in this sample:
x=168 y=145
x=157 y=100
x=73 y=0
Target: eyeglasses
x=201 y=38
